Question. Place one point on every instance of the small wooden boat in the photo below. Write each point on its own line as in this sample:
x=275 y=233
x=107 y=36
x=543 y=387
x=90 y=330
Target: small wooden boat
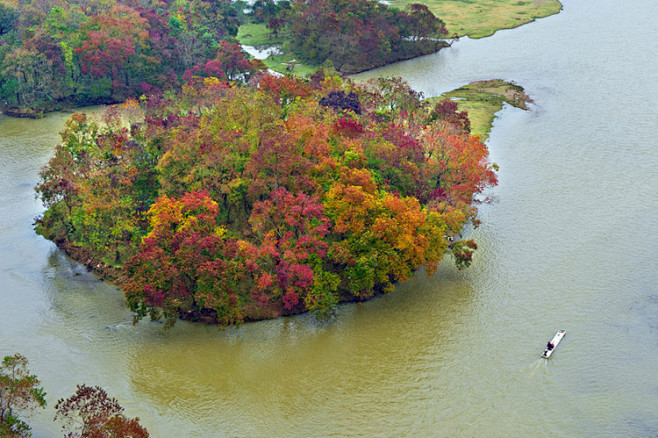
x=550 y=348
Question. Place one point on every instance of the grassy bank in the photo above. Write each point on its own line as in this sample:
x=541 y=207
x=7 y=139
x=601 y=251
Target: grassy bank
x=481 y=18
x=257 y=35
x=483 y=99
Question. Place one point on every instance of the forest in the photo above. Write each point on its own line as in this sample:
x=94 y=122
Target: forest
x=59 y=54
x=228 y=202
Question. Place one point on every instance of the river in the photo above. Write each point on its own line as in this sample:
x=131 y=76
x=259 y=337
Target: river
x=570 y=241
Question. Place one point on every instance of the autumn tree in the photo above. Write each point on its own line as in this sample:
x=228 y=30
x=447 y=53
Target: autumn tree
x=97 y=179
x=383 y=237
x=340 y=100
x=181 y=259
x=291 y=230
x=458 y=166
x=114 y=46
x=91 y=413
x=237 y=202
x=447 y=110
x=20 y=393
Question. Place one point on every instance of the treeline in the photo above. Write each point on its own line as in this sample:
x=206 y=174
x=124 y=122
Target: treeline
x=56 y=53
x=88 y=413
x=355 y=35
x=229 y=203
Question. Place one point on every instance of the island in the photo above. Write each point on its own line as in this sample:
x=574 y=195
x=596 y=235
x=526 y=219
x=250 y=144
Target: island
x=228 y=203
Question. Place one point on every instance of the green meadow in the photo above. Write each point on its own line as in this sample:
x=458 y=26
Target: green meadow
x=481 y=18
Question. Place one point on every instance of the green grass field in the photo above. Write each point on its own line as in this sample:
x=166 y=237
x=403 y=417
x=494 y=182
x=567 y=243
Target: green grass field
x=481 y=18
x=256 y=35
x=483 y=99
x=286 y=63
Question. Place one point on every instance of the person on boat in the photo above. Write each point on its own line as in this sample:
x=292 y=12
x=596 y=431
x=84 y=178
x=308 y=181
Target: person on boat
x=549 y=346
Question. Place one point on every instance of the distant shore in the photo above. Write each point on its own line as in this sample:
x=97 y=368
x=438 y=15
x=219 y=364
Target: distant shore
x=483 y=18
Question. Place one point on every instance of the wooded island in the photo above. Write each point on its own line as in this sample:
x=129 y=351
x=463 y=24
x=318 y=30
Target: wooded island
x=230 y=203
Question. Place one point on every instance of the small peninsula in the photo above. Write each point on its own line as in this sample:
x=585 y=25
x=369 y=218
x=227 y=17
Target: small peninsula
x=483 y=99
x=475 y=19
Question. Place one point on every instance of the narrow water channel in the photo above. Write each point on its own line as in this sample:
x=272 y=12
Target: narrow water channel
x=570 y=241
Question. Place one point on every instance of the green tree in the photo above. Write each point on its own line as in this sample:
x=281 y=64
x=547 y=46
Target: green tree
x=8 y=17
x=19 y=393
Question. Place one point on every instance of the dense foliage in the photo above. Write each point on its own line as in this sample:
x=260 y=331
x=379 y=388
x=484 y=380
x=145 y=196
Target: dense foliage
x=355 y=35
x=72 y=52
x=230 y=203
x=20 y=393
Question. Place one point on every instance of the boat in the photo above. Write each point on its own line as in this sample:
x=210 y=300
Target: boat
x=556 y=340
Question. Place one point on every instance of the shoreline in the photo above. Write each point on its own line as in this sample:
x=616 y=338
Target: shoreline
x=63 y=105
x=208 y=316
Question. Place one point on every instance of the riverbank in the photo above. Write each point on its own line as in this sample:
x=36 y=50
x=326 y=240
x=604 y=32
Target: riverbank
x=68 y=104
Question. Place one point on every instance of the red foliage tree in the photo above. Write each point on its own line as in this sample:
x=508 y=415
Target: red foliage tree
x=91 y=413
x=291 y=229
x=113 y=43
x=447 y=110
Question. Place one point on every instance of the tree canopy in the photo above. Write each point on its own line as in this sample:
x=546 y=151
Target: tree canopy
x=229 y=203
x=91 y=413
x=358 y=35
x=20 y=393
x=81 y=52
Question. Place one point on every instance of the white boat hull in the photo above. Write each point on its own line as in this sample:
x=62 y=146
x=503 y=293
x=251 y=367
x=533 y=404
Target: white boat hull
x=556 y=340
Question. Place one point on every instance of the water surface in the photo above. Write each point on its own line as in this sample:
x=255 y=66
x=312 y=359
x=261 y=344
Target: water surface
x=569 y=242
